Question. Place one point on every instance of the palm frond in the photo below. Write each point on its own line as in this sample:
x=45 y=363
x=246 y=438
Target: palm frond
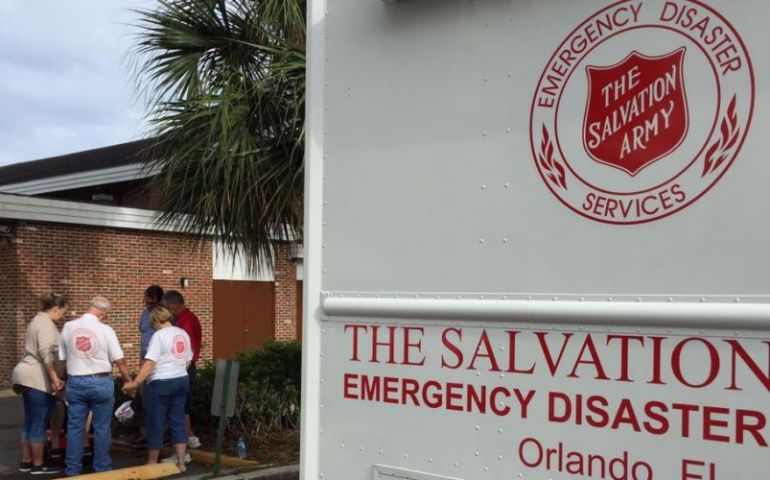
x=225 y=81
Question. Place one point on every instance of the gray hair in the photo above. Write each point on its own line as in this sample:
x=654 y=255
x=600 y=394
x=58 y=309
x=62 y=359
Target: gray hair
x=101 y=303
x=173 y=296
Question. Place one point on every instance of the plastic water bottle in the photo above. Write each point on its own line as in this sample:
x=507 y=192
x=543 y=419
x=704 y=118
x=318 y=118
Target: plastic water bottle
x=241 y=448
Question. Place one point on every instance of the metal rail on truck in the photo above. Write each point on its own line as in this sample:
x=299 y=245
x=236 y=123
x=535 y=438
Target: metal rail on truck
x=693 y=314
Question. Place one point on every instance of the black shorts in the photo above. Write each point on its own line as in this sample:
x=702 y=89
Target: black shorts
x=192 y=372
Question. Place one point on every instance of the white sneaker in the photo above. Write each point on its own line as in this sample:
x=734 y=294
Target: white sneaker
x=172 y=458
x=193 y=442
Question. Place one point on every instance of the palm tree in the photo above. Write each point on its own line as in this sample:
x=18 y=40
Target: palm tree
x=225 y=85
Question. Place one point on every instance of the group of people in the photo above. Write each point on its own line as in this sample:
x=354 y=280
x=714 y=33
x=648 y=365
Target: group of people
x=76 y=368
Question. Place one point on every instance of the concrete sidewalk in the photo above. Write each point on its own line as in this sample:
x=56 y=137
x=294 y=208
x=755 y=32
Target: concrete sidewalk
x=288 y=472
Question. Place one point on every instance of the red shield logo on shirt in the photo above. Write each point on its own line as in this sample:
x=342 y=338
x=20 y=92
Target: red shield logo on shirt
x=179 y=346
x=83 y=344
x=636 y=112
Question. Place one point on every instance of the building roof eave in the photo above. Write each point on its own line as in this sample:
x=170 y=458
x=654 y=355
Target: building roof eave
x=26 y=208
x=46 y=210
x=89 y=178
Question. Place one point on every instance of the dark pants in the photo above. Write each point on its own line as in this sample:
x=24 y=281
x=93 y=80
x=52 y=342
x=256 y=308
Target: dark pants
x=165 y=404
x=192 y=372
x=138 y=404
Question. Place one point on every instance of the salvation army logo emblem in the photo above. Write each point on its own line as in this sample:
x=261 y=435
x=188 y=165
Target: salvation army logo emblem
x=642 y=109
x=179 y=346
x=84 y=343
x=628 y=131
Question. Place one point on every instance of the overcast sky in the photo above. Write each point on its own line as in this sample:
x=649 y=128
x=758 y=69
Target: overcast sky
x=64 y=77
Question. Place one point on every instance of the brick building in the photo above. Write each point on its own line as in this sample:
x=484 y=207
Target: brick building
x=70 y=225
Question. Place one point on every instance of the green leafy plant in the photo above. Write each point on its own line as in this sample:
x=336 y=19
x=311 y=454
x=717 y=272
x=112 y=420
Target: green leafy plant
x=268 y=395
x=279 y=364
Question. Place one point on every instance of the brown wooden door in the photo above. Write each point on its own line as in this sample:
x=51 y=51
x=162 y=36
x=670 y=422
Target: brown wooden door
x=299 y=310
x=244 y=315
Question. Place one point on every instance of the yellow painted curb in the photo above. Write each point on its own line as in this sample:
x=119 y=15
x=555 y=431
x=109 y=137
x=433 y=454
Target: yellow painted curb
x=142 y=472
x=199 y=456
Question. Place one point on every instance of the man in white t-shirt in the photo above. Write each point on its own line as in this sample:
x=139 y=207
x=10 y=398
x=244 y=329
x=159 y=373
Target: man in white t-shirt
x=90 y=348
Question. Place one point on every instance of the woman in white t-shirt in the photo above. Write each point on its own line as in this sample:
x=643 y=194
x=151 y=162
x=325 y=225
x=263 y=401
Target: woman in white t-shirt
x=165 y=369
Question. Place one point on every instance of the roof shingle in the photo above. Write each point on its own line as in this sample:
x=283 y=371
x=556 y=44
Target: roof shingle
x=96 y=159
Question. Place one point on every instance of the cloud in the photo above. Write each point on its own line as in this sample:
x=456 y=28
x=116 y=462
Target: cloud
x=65 y=82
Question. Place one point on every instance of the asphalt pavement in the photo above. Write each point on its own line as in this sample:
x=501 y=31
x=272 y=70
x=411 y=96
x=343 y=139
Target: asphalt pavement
x=11 y=418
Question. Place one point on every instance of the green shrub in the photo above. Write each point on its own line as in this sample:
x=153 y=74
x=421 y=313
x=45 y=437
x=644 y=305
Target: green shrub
x=278 y=364
x=200 y=408
x=268 y=395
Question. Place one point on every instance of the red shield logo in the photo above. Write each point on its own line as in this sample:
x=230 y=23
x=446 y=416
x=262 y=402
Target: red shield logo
x=178 y=346
x=83 y=344
x=636 y=112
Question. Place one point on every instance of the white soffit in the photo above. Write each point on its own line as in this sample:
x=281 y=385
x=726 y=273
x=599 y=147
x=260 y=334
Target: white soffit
x=124 y=173
x=18 y=207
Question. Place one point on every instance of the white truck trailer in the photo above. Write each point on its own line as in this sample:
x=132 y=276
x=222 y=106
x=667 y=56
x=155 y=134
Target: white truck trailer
x=537 y=240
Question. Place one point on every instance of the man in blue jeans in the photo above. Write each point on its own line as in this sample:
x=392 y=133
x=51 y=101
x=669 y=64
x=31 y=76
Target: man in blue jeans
x=90 y=348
